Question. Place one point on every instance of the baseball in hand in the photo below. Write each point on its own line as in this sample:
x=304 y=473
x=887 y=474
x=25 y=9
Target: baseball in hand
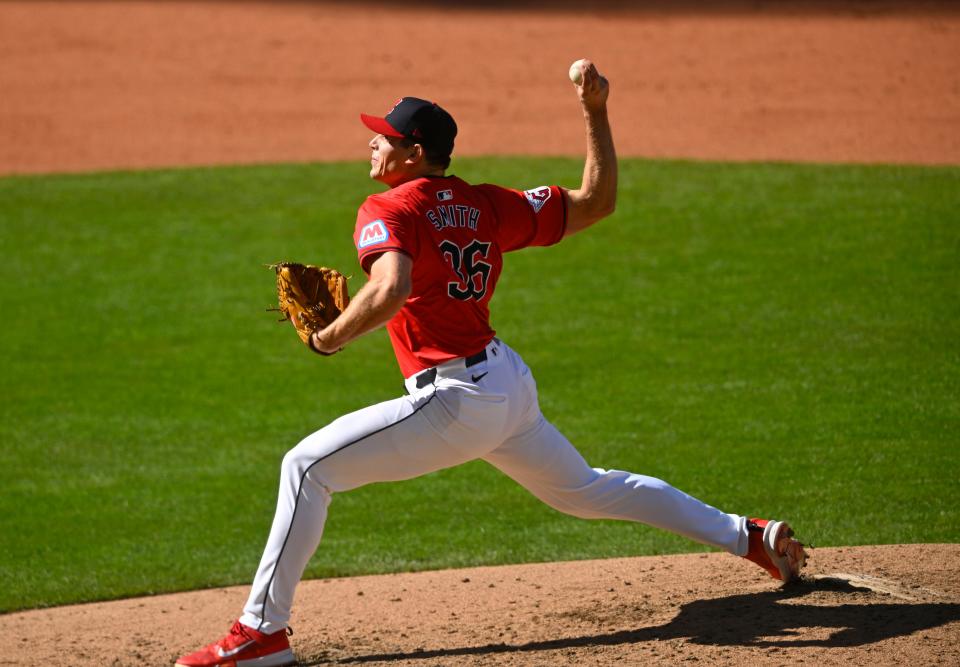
x=576 y=71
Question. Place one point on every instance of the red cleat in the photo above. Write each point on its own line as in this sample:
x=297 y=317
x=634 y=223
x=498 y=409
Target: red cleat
x=243 y=647
x=773 y=547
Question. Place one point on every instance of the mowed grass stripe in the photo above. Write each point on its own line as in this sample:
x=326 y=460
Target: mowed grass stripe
x=775 y=339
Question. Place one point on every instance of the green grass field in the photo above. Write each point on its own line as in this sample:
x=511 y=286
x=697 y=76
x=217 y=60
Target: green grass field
x=775 y=339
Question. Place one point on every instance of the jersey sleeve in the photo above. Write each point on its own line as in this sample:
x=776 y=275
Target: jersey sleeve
x=536 y=217
x=380 y=229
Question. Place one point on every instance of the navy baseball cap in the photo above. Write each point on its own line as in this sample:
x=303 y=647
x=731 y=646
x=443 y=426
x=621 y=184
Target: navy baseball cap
x=423 y=122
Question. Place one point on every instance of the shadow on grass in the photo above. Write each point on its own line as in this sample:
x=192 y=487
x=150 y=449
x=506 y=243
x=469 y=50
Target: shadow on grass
x=754 y=619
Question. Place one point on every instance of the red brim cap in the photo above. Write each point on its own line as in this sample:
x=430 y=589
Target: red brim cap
x=380 y=126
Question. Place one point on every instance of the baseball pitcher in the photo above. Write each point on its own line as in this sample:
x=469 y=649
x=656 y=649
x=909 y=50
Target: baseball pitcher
x=432 y=247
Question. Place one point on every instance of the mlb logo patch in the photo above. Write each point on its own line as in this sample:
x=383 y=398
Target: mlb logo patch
x=445 y=195
x=537 y=197
x=373 y=233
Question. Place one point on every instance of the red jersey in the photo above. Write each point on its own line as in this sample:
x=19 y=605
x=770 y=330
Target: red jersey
x=456 y=234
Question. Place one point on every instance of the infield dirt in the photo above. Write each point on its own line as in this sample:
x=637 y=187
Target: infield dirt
x=858 y=606
x=104 y=85
x=129 y=85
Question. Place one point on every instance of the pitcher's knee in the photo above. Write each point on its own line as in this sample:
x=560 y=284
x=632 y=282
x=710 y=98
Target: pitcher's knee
x=307 y=456
x=295 y=462
x=631 y=483
x=610 y=494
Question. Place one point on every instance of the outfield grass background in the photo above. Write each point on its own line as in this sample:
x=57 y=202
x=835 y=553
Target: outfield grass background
x=776 y=339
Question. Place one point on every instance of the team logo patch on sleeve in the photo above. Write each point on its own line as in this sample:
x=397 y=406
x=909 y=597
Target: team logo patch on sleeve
x=373 y=233
x=537 y=197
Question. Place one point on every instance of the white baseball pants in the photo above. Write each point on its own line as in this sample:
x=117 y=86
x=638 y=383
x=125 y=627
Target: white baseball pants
x=488 y=411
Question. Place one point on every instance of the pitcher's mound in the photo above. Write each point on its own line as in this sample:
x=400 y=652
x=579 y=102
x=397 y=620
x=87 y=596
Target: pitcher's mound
x=856 y=606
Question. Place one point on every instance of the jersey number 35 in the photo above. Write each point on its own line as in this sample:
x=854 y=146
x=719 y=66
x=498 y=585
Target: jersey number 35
x=470 y=267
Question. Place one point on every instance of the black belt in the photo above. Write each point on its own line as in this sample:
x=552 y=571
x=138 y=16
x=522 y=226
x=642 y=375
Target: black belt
x=428 y=376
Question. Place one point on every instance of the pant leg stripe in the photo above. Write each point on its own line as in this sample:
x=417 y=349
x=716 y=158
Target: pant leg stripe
x=296 y=503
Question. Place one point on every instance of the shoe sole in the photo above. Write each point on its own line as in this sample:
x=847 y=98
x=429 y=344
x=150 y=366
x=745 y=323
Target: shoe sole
x=282 y=659
x=791 y=557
